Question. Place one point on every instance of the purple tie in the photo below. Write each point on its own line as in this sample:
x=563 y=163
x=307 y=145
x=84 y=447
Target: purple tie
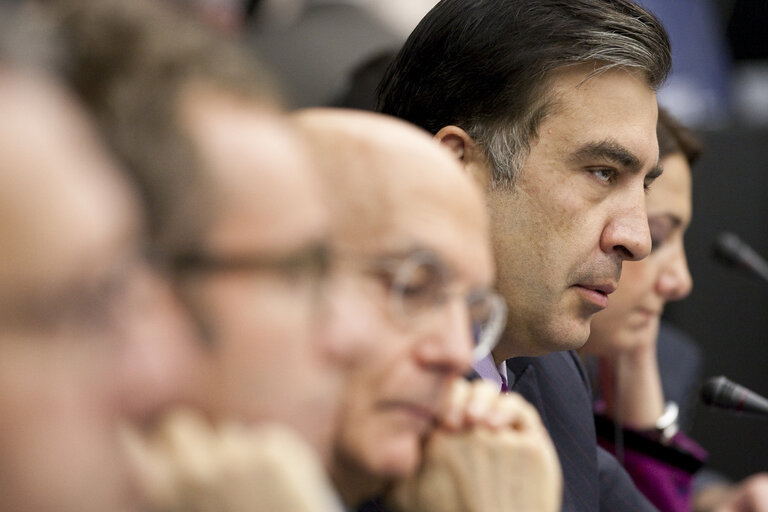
x=504 y=387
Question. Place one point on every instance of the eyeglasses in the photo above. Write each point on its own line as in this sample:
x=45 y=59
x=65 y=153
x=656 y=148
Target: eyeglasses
x=419 y=286
x=313 y=261
x=95 y=302
x=307 y=267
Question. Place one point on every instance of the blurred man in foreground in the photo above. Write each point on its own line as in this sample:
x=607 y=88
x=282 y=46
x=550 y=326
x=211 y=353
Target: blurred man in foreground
x=89 y=338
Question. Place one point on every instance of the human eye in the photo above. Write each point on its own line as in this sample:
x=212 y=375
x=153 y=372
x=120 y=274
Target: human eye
x=661 y=229
x=422 y=286
x=97 y=306
x=604 y=175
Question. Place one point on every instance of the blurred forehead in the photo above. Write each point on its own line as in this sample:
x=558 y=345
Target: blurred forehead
x=671 y=192
x=431 y=199
x=267 y=195
x=63 y=209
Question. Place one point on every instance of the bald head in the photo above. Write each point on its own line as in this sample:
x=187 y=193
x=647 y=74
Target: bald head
x=389 y=182
x=411 y=233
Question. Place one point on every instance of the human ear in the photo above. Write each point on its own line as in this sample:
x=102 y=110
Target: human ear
x=469 y=153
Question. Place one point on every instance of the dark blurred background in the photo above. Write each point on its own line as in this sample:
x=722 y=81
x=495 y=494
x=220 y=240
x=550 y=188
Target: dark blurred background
x=727 y=313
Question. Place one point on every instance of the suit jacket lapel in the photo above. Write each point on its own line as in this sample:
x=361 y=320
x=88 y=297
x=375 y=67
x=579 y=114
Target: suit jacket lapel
x=523 y=379
x=556 y=388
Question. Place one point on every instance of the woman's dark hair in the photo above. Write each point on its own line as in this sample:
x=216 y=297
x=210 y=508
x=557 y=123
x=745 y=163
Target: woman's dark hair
x=676 y=138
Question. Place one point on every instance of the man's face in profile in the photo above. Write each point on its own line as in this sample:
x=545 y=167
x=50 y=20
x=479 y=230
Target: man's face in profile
x=577 y=209
x=260 y=287
x=84 y=334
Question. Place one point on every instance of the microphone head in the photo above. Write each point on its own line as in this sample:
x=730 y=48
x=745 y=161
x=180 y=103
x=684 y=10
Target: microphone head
x=721 y=392
x=712 y=390
x=727 y=249
x=732 y=251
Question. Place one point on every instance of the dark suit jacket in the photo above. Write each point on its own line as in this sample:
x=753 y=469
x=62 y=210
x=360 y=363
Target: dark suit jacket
x=556 y=384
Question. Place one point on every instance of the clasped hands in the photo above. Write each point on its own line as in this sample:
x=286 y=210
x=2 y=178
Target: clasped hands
x=186 y=464
x=488 y=452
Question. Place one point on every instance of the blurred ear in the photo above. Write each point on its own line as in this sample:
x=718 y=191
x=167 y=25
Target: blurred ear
x=469 y=153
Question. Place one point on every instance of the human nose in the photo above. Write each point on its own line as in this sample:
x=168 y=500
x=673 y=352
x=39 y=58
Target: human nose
x=626 y=232
x=158 y=351
x=448 y=344
x=675 y=281
x=344 y=321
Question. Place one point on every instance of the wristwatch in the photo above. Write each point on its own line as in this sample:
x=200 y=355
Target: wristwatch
x=666 y=425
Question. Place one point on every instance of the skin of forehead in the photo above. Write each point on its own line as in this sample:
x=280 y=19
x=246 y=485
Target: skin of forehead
x=381 y=172
x=568 y=100
x=59 y=196
x=257 y=169
x=666 y=192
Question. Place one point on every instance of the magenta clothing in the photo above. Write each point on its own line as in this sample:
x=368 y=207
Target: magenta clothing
x=664 y=473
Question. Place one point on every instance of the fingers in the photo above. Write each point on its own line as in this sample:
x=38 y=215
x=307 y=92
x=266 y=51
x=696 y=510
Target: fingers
x=189 y=439
x=513 y=411
x=153 y=472
x=750 y=495
x=483 y=402
x=453 y=411
x=479 y=403
x=486 y=470
x=176 y=448
x=186 y=464
x=468 y=404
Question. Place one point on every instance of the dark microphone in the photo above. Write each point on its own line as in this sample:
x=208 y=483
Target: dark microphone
x=721 y=392
x=732 y=251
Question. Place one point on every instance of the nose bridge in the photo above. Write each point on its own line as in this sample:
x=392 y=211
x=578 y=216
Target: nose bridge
x=627 y=232
x=448 y=344
x=675 y=281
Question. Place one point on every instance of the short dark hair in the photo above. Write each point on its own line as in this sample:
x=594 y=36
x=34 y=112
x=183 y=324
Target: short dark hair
x=676 y=138
x=483 y=65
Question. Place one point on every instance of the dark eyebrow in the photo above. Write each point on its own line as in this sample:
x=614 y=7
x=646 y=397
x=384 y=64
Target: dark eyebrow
x=607 y=150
